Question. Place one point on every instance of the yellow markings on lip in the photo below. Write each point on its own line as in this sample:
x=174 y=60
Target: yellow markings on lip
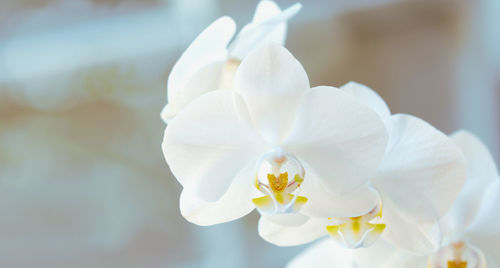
x=298 y=178
x=266 y=202
x=333 y=230
x=278 y=184
x=356 y=232
x=453 y=264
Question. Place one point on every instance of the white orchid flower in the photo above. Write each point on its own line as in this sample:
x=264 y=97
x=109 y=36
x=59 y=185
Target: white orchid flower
x=470 y=229
x=417 y=181
x=273 y=143
x=210 y=62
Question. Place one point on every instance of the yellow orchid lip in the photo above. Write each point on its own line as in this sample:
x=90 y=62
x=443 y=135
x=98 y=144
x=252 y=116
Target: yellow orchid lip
x=358 y=232
x=281 y=195
x=458 y=254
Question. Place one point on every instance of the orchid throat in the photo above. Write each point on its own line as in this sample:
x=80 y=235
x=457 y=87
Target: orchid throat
x=278 y=177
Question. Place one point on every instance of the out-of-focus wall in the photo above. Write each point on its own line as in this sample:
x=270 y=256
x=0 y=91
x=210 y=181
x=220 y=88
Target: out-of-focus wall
x=83 y=182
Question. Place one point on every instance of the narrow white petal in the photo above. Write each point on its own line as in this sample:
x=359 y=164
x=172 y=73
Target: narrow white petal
x=209 y=47
x=208 y=144
x=205 y=79
x=282 y=235
x=341 y=139
x=324 y=254
x=234 y=204
x=423 y=170
x=269 y=24
x=367 y=96
x=271 y=82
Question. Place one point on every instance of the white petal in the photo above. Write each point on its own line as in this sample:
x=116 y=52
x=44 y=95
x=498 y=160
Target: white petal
x=481 y=172
x=484 y=232
x=209 y=47
x=341 y=139
x=282 y=235
x=234 y=204
x=418 y=238
x=367 y=96
x=271 y=81
x=383 y=254
x=321 y=203
x=208 y=143
x=423 y=170
x=269 y=24
x=206 y=79
x=286 y=219
x=324 y=254
x=480 y=163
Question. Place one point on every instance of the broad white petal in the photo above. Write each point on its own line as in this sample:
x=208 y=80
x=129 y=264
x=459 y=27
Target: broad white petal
x=383 y=254
x=341 y=139
x=271 y=82
x=206 y=79
x=282 y=235
x=324 y=254
x=423 y=170
x=234 y=204
x=209 y=47
x=207 y=144
x=367 y=96
x=269 y=24
x=322 y=203
x=484 y=232
x=414 y=236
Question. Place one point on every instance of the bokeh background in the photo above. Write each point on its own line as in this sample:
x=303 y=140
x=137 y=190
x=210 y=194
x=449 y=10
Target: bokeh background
x=83 y=182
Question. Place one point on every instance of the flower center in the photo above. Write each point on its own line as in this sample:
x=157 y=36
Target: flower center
x=458 y=255
x=357 y=232
x=272 y=179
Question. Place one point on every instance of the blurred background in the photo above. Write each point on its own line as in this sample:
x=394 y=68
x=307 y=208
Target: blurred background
x=83 y=182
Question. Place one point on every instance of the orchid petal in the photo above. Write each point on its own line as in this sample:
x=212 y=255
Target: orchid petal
x=286 y=219
x=322 y=203
x=367 y=96
x=481 y=172
x=209 y=47
x=283 y=235
x=339 y=137
x=234 y=204
x=271 y=82
x=206 y=79
x=480 y=163
x=269 y=24
x=383 y=254
x=423 y=170
x=484 y=232
x=208 y=143
x=324 y=254
x=416 y=237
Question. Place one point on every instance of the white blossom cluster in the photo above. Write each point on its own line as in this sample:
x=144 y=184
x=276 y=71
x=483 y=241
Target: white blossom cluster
x=245 y=130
